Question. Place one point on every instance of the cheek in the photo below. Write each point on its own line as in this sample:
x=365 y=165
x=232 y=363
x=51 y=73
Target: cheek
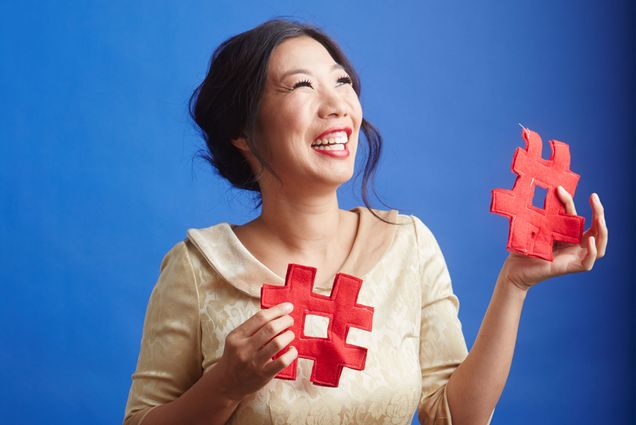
x=355 y=107
x=280 y=118
x=285 y=124
x=293 y=119
x=357 y=116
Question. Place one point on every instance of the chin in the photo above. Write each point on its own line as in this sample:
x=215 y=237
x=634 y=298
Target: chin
x=342 y=178
x=334 y=180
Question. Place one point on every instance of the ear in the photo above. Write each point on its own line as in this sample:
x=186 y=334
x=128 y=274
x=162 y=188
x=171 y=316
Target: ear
x=241 y=143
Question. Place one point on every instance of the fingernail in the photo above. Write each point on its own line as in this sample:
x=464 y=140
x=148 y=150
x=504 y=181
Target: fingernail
x=598 y=199
x=288 y=306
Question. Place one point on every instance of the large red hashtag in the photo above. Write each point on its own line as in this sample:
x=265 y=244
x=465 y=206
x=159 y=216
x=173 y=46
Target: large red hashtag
x=533 y=230
x=329 y=354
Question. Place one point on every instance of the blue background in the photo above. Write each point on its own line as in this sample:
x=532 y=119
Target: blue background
x=98 y=182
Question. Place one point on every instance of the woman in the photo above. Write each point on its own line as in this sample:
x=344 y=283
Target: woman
x=280 y=112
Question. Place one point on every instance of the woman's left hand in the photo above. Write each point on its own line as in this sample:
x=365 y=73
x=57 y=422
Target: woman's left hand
x=525 y=272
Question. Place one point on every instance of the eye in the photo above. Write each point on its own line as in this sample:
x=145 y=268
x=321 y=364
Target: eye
x=302 y=83
x=345 y=79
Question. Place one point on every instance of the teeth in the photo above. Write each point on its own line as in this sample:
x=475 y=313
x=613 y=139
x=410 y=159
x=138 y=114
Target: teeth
x=339 y=137
x=335 y=147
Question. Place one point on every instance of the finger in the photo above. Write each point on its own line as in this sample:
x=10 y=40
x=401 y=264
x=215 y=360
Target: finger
x=270 y=330
x=593 y=229
x=275 y=366
x=257 y=321
x=275 y=346
x=588 y=261
x=567 y=200
x=601 y=226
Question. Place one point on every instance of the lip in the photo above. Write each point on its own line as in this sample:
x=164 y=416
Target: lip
x=335 y=154
x=333 y=130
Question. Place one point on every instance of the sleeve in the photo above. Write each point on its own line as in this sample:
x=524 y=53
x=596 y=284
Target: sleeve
x=442 y=343
x=170 y=359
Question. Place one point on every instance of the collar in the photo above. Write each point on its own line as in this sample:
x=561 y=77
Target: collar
x=224 y=251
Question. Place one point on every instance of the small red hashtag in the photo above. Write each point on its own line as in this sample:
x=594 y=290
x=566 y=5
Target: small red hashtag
x=329 y=354
x=533 y=230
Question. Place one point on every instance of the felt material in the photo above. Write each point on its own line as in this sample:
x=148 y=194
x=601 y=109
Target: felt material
x=329 y=354
x=533 y=230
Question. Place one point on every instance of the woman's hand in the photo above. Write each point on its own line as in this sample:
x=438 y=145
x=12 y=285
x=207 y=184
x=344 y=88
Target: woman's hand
x=525 y=272
x=246 y=364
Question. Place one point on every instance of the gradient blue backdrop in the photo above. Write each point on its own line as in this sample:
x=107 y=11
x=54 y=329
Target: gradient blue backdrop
x=97 y=178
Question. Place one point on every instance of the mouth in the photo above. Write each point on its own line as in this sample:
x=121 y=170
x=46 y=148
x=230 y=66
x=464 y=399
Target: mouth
x=333 y=143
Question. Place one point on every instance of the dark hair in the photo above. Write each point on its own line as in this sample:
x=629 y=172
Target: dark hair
x=225 y=104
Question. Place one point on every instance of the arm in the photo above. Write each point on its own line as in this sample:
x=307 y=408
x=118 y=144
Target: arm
x=169 y=385
x=442 y=345
x=204 y=403
x=474 y=389
x=477 y=384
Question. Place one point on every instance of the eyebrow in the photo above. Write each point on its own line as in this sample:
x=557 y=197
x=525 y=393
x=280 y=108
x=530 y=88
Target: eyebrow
x=304 y=71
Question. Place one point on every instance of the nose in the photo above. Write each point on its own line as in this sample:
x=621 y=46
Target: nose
x=332 y=103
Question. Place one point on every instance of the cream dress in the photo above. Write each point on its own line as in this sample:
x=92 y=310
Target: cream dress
x=209 y=284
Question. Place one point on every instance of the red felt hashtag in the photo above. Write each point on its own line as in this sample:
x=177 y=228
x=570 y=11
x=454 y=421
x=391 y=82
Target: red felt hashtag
x=533 y=230
x=329 y=354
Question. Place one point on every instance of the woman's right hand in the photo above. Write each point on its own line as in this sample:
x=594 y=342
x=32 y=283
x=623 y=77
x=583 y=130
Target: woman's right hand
x=246 y=364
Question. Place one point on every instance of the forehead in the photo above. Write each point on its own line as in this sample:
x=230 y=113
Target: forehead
x=299 y=52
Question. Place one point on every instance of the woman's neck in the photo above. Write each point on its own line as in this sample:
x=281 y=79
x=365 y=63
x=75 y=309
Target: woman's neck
x=302 y=224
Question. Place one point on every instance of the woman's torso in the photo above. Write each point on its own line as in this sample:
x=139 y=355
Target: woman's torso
x=386 y=391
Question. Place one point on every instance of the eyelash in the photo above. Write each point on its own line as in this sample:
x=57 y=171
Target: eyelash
x=345 y=78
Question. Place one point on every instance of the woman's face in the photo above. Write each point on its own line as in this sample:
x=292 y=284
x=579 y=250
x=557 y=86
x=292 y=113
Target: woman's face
x=306 y=94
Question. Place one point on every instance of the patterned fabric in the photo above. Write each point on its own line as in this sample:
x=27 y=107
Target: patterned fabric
x=209 y=284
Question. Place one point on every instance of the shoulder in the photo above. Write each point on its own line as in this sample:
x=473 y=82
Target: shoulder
x=425 y=242
x=216 y=233
x=212 y=245
x=183 y=260
x=423 y=233
x=399 y=233
x=176 y=255
x=394 y=225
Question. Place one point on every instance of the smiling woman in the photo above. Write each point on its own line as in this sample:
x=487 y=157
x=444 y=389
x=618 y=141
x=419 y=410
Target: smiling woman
x=279 y=73
x=279 y=111
x=301 y=107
